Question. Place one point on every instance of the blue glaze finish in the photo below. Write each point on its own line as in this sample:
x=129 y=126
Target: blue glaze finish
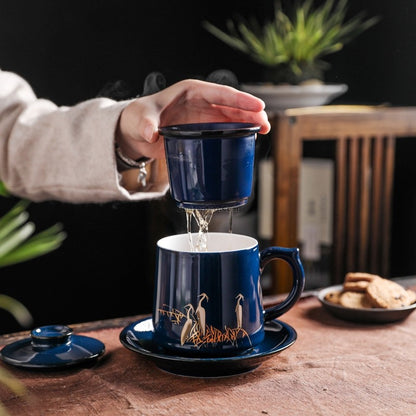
x=52 y=346
x=210 y=165
x=290 y=256
x=222 y=276
x=139 y=337
x=231 y=282
x=50 y=336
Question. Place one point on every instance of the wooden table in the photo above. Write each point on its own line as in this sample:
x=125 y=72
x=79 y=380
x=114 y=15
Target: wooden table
x=334 y=368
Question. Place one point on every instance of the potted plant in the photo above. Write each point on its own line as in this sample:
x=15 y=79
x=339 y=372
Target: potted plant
x=18 y=243
x=290 y=47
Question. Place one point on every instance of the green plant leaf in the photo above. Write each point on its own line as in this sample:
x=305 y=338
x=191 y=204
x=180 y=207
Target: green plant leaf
x=298 y=41
x=3 y=190
x=14 y=239
x=13 y=224
x=13 y=212
x=38 y=245
x=13 y=384
x=17 y=242
x=17 y=309
x=230 y=40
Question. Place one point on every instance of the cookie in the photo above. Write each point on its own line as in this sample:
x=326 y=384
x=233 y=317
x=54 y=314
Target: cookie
x=412 y=296
x=355 y=300
x=359 y=276
x=333 y=297
x=384 y=293
x=357 y=286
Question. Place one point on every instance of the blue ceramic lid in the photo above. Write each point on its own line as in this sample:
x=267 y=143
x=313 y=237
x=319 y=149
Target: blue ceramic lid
x=52 y=346
x=222 y=130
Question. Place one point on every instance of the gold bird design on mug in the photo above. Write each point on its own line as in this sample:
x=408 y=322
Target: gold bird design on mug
x=239 y=310
x=195 y=328
x=187 y=328
x=200 y=313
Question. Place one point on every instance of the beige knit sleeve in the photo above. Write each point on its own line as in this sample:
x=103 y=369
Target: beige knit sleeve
x=61 y=153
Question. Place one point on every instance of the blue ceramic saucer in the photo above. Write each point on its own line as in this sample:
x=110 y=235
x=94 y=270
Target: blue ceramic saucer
x=138 y=337
x=52 y=346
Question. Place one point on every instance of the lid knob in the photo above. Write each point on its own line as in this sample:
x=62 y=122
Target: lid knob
x=50 y=336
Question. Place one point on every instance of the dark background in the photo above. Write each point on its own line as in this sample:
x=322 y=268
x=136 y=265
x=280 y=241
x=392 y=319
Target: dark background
x=68 y=50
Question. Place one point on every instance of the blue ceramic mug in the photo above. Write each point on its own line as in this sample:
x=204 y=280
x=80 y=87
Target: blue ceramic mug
x=209 y=303
x=210 y=165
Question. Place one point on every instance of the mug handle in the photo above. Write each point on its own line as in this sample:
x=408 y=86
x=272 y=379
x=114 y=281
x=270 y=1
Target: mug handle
x=290 y=256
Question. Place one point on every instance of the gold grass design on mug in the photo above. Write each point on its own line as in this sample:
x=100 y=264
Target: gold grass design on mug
x=175 y=315
x=214 y=335
x=197 y=332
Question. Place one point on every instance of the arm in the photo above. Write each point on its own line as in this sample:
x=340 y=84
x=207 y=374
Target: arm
x=67 y=153
x=63 y=153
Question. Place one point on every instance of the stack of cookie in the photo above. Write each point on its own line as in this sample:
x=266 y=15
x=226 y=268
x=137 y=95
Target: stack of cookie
x=364 y=290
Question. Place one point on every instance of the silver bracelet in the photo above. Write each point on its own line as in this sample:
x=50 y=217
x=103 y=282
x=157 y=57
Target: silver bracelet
x=125 y=163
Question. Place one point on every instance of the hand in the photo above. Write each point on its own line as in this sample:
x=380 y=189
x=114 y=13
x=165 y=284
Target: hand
x=188 y=101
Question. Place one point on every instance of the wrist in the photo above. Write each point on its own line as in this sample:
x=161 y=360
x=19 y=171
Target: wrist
x=125 y=163
x=125 y=143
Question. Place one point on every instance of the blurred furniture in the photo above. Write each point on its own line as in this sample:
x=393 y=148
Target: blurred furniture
x=364 y=139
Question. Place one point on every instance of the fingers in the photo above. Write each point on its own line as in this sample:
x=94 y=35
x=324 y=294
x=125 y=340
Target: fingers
x=236 y=115
x=210 y=93
x=140 y=119
x=188 y=101
x=193 y=101
x=149 y=132
x=137 y=130
x=229 y=97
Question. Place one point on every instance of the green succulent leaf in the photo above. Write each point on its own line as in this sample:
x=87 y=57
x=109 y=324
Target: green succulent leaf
x=297 y=41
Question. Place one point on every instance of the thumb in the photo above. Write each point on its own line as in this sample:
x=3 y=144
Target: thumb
x=150 y=131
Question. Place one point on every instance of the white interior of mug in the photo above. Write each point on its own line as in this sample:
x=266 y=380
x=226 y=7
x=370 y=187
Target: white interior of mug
x=216 y=242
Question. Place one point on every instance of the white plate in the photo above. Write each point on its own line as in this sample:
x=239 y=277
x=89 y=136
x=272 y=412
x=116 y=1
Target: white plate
x=281 y=97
